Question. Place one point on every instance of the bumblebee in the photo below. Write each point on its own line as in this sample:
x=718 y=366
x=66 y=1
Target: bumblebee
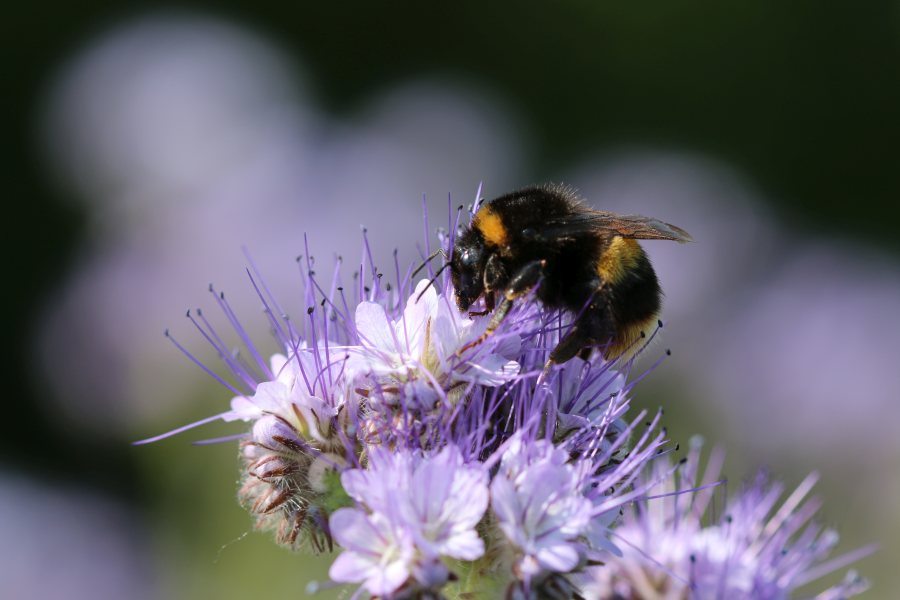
x=577 y=259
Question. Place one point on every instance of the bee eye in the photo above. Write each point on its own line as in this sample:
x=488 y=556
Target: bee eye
x=469 y=258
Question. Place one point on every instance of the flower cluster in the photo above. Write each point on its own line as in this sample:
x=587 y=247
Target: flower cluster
x=440 y=464
x=674 y=545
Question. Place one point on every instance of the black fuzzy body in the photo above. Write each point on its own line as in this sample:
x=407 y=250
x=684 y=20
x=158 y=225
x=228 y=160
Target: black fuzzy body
x=544 y=226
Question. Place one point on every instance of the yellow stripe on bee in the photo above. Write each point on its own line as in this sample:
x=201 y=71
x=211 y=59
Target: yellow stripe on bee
x=627 y=341
x=491 y=227
x=619 y=258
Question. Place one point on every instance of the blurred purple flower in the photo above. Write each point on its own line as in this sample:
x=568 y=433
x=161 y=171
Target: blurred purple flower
x=819 y=339
x=61 y=541
x=804 y=320
x=187 y=136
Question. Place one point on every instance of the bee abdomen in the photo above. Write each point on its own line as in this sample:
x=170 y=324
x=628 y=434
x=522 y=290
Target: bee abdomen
x=632 y=291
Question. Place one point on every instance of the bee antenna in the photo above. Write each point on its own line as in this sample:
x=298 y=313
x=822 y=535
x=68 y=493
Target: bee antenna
x=427 y=260
x=432 y=280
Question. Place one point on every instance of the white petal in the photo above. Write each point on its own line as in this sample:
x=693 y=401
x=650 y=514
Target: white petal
x=490 y=370
x=279 y=366
x=242 y=409
x=561 y=558
x=351 y=567
x=465 y=546
x=355 y=482
x=411 y=328
x=387 y=579
x=374 y=328
x=271 y=396
x=356 y=533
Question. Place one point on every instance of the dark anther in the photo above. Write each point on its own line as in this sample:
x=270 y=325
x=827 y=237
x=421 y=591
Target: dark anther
x=366 y=288
x=211 y=288
x=188 y=313
x=387 y=286
x=659 y=322
x=310 y=310
x=299 y=257
x=643 y=335
x=683 y=461
x=668 y=352
x=340 y=289
x=322 y=303
x=166 y=333
x=222 y=295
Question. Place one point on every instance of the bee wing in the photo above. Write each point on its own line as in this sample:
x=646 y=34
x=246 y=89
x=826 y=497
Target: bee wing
x=629 y=226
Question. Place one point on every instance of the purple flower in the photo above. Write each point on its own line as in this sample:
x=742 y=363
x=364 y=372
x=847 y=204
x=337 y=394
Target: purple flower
x=674 y=546
x=413 y=511
x=421 y=350
x=555 y=497
x=538 y=499
x=390 y=427
x=288 y=399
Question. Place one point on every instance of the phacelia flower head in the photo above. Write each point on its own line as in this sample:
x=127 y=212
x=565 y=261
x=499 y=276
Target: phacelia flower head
x=758 y=547
x=439 y=461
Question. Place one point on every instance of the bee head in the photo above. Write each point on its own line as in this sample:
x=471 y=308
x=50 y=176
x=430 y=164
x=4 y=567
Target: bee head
x=467 y=268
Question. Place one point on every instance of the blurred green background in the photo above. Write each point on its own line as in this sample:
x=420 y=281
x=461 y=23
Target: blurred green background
x=785 y=115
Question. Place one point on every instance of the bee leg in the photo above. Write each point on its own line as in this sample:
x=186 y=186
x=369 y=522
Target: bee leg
x=488 y=306
x=576 y=340
x=492 y=326
x=590 y=327
x=522 y=283
x=525 y=280
x=494 y=273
